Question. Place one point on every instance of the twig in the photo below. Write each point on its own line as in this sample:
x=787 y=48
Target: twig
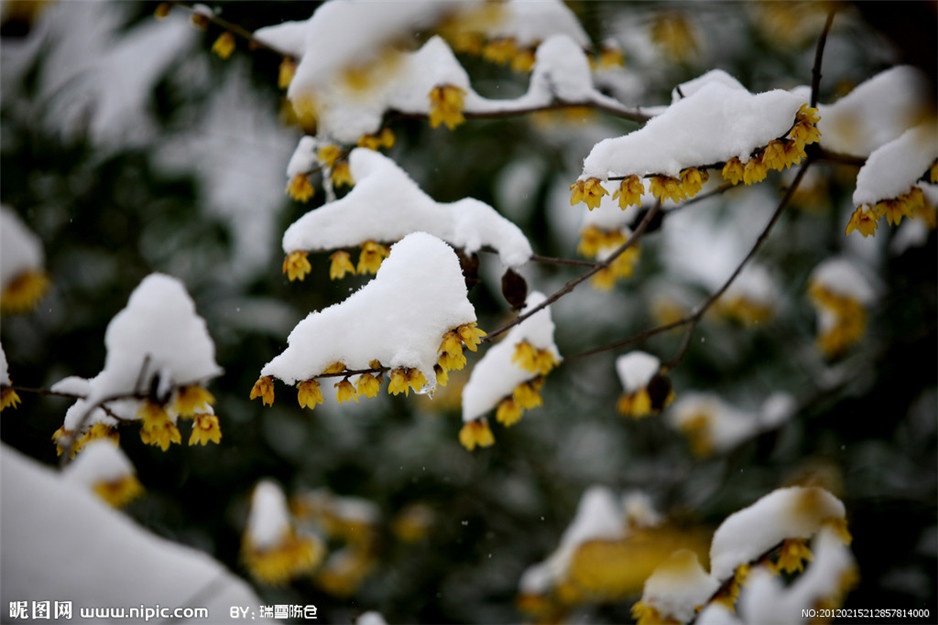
x=819 y=55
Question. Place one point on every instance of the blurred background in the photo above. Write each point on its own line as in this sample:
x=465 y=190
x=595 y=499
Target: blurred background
x=128 y=147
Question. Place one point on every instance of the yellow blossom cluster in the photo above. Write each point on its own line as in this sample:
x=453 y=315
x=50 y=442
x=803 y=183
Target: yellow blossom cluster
x=296 y=264
x=650 y=399
x=300 y=188
x=224 y=46
x=595 y=241
x=118 y=493
x=743 y=309
x=23 y=291
x=446 y=106
x=844 y=320
x=911 y=204
x=293 y=555
x=674 y=35
x=8 y=398
x=367 y=383
x=158 y=422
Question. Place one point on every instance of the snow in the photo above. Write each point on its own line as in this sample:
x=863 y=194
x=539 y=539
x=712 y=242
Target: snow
x=841 y=276
x=269 y=518
x=892 y=169
x=726 y=426
x=399 y=318
x=713 y=124
x=529 y=23
x=636 y=369
x=765 y=599
x=100 y=460
x=51 y=531
x=158 y=334
x=598 y=516
x=678 y=585
x=495 y=376
x=562 y=69
x=371 y=618
x=20 y=249
x=874 y=112
x=386 y=204
x=4 y=368
x=793 y=512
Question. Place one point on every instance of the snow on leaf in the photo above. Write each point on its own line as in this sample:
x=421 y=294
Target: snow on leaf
x=386 y=204
x=398 y=319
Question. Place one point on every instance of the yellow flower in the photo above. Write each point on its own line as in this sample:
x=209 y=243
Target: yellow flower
x=533 y=359
x=293 y=556
x=286 y=73
x=192 y=398
x=792 y=555
x=24 y=291
x=8 y=398
x=527 y=395
x=446 y=106
x=728 y=595
x=933 y=173
x=839 y=527
x=205 y=428
x=474 y=433
x=162 y=10
x=300 y=188
x=589 y=191
x=591 y=241
x=98 y=430
x=774 y=155
x=451 y=354
x=754 y=171
x=328 y=154
x=342 y=175
x=368 y=385
x=296 y=265
x=733 y=171
x=523 y=61
x=645 y=614
x=264 y=388
x=405 y=378
x=442 y=377
x=385 y=139
x=743 y=309
x=610 y=58
x=471 y=334
x=805 y=131
x=864 y=221
x=630 y=192
x=370 y=258
x=673 y=33
x=119 y=492
x=158 y=429
x=345 y=391
x=336 y=367
x=224 y=45
x=341 y=265
x=309 y=394
x=500 y=51
x=635 y=405
x=622 y=266
x=667 y=188
x=693 y=180
x=508 y=412
x=906 y=205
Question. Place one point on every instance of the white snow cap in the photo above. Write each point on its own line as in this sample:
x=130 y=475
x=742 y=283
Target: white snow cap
x=495 y=376
x=726 y=425
x=678 y=586
x=712 y=124
x=793 y=512
x=386 y=204
x=765 y=599
x=20 y=248
x=841 y=275
x=529 y=23
x=636 y=369
x=371 y=618
x=100 y=460
x=893 y=169
x=399 y=318
x=4 y=368
x=157 y=334
x=269 y=518
x=875 y=112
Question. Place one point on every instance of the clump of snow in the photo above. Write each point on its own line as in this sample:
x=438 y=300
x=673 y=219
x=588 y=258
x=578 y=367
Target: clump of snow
x=765 y=598
x=841 y=276
x=495 y=376
x=678 y=586
x=269 y=517
x=562 y=69
x=157 y=340
x=386 y=204
x=529 y=23
x=371 y=618
x=636 y=369
x=893 y=168
x=794 y=512
x=711 y=125
x=875 y=112
x=100 y=460
x=4 y=368
x=399 y=318
x=20 y=249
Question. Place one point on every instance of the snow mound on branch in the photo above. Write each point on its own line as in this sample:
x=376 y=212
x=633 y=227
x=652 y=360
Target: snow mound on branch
x=386 y=204
x=716 y=122
x=495 y=376
x=158 y=338
x=399 y=318
x=893 y=169
x=269 y=518
x=20 y=249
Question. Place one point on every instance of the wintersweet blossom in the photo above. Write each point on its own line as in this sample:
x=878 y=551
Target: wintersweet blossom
x=646 y=387
x=841 y=295
x=8 y=396
x=103 y=468
x=476 y=433
x=224 y=46
x=300 y=188
x=205 y=429
x=296 y=265
x=446 y=106
x=23 y=281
